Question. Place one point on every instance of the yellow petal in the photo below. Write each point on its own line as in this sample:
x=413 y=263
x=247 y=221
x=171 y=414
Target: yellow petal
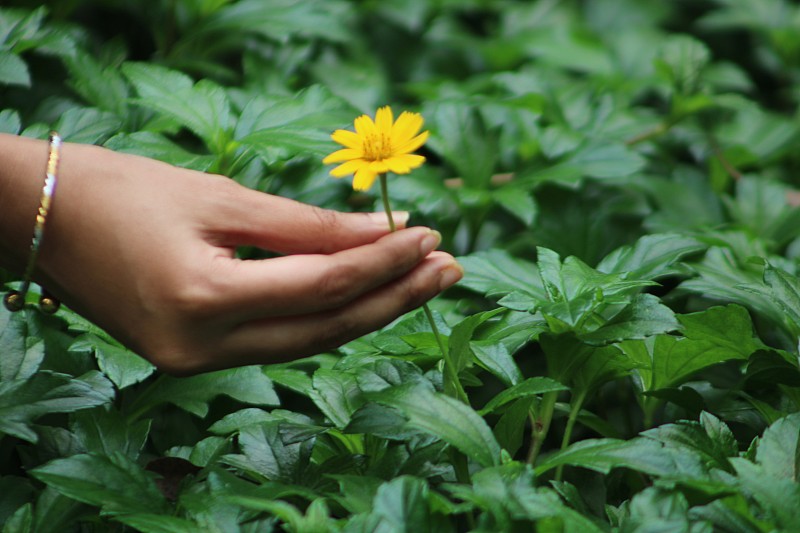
x=407 y=125
x=345 y=154
x=379 y=166
x=347 y=138
x=407 y=161
x=348 y=168
x=364 y=179
x=413 y=144
x=384 y=119
x=364 y=126
x=398 y=165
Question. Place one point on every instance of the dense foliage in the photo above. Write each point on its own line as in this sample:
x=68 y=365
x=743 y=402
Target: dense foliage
x=619 y=178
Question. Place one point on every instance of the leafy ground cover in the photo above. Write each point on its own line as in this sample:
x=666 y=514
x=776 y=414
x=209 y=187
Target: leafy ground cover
x=619 y=178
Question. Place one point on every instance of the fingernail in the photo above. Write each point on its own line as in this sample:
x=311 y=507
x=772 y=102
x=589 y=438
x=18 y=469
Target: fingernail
x=450 y=275
x=430 y=242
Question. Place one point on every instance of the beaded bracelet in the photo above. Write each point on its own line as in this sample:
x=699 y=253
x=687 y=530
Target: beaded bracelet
x=15 y=300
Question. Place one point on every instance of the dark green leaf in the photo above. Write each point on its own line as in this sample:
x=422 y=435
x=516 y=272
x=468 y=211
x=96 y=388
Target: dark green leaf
x=526 y=389
x=115 y=483
x=13 y=70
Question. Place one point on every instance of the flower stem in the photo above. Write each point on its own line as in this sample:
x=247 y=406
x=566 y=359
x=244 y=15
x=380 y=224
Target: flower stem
x=386 y=206
x=452 y=382
x=574 y=411
x=540 y=424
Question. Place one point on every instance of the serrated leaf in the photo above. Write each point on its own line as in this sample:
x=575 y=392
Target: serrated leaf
x=106 y=431
x=156 y=146
x=517 y=202
x=710 y=337
x=193 y=394
x=10 y=122
x=526 y=389
x=114 y=483
x=445 y=418
x=123 y=367
x=645 y=316
x=496 y=273
x=22 y=353
x=779 y=449
x=336 y=394
x=582 y=367
x=87 y=125
x=203 y=108
x=650 y=257
x=265 y=453
x=496 y=358
x=157 y=523
x=13 y=70
x=402 y=505
x=22 y=401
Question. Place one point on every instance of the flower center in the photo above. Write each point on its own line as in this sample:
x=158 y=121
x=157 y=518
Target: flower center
x=377 y=147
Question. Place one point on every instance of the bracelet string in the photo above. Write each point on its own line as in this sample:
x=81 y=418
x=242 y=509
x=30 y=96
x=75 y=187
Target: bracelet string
x=15 y=299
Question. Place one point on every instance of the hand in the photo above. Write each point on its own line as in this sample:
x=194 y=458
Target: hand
x=146 y=251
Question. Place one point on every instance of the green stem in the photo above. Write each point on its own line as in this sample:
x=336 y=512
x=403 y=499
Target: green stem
x=451 y=377
x=574 y=411
x=540 y=424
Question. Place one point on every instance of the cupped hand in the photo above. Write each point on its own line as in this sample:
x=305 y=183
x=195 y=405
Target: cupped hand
x=147 y=251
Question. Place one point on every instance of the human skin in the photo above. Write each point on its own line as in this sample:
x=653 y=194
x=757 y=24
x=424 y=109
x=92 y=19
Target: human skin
x=146 y=251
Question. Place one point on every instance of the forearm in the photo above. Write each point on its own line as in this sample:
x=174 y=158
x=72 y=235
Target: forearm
x=22 y=174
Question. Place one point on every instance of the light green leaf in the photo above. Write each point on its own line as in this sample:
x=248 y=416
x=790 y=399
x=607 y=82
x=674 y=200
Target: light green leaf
x=496 y=273
x=22 y=353
x=157 y=523
x=650 y=257
x=518 y=202
x=156 y=146
x=106 y=431
x=336 y=394
x=402 y=505
x=87 y=125
x=10 y=122
x=779 y=449
x=582 y=367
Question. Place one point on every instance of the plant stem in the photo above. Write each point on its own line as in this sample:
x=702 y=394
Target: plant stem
x=540 y=424
x=575 y=409
x=451 y=377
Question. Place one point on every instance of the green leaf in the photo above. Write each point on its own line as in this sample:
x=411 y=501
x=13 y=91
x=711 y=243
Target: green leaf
x=711 y=440
x=22 y=401
x=157 y=523
x=402 y=505
x=601 y=161
x=526 y=389
x=645 y=316
x=123 y=367
x=264 y=452
x=496 y=273
x=710 y=337
x=681 y=61
x=114 y=483
x=651 y=257
x=777 y=496
x=13 y=70
x=580 y=366
x=461 y=136
x=10 y=122
x=336 y=394
x=87 y=125
x=156 y=146
x=203 y=108
x=106 y=431
x=445 y=418
x=779 y=449
x=518 y=202
x=102 y=87
x=22 y=353
x=193 y=394
x=496 y=358
x=21 y=521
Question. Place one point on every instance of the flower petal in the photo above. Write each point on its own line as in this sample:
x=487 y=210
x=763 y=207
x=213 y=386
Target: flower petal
x=384 y=119
x=364 y=179
x=348 y=139
x=364 y=126
x=413 y=144
x=407 y=125
x=348 y=168
x=400 y=163
x=379 y=166
x=345 y=154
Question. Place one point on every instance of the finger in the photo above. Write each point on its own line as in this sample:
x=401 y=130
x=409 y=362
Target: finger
x=279 y=339
x=251 y=218
x=300 y=284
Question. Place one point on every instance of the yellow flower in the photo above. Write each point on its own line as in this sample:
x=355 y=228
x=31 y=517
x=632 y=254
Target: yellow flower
x=378 y=147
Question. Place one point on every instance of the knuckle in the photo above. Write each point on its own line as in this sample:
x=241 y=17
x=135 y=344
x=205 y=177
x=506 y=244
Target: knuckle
x=336 y=285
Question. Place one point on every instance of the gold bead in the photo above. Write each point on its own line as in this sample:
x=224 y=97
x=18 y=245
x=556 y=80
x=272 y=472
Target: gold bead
x=14 y=301
x=49 y=305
